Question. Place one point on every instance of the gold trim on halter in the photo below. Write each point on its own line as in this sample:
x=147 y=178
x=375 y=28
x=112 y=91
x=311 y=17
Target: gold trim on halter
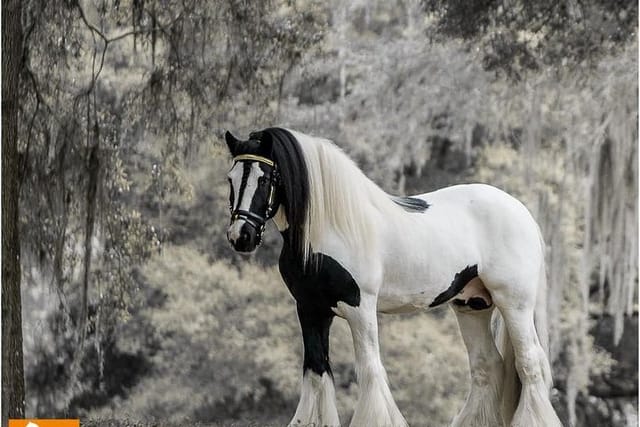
x=254 y=158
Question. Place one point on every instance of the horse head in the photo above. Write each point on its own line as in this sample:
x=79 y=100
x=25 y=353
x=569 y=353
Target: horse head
x=253 y=181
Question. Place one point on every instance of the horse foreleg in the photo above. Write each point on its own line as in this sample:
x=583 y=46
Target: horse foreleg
x=317 y=406
x=375 y=407
x=482 y=408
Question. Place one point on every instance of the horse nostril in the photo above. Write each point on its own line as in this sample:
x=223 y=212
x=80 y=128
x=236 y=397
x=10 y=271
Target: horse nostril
x=244 y=235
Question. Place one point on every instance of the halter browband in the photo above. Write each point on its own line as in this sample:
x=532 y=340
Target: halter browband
x=254 y=158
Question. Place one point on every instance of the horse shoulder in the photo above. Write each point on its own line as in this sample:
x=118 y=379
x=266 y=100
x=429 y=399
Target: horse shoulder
x=320 y=285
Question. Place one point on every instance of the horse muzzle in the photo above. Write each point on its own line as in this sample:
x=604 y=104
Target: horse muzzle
x=243 y=236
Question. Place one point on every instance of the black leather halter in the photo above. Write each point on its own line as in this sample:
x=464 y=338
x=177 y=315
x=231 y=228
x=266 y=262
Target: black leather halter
x=258 y=222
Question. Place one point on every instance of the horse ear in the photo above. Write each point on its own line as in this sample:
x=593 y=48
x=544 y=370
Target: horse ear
x=232 y=141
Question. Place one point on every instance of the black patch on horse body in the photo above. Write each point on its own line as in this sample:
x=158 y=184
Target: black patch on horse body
x=321 y=288
x=316 y=292
x=411 y=204
x=459 y=281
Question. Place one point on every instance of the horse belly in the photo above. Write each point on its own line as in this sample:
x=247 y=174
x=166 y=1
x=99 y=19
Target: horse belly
x=392 y=304
x=416 y=274
x=473 y=296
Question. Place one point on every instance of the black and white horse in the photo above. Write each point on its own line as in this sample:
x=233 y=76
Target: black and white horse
x=351 y=250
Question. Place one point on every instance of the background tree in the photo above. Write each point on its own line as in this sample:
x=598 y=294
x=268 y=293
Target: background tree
x=519 y=36
x=12 y=363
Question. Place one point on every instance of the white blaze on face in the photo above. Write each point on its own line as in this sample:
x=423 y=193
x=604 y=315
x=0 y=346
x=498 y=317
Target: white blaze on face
x=235 y=175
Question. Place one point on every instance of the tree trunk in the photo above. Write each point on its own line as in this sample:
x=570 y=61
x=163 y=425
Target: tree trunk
x=12 y=362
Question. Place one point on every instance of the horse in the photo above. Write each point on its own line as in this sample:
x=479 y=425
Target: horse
x=352 y=250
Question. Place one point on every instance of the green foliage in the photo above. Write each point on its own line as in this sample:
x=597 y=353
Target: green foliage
x=518 y=36
x=220 y=338
x=224 y=344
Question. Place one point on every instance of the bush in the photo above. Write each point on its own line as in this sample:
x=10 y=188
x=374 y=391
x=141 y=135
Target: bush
x=229 y=348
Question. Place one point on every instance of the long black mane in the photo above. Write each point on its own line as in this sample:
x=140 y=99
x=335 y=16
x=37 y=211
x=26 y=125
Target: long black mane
x=294 y=179
x=295 y=195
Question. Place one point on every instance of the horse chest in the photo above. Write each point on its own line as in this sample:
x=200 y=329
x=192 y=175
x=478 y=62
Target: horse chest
x=320 y=288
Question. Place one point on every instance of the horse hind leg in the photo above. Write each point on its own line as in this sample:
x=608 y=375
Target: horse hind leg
x=482 y=407
x=534 y=408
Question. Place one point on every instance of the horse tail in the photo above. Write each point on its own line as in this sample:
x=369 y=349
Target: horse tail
x=511 y=382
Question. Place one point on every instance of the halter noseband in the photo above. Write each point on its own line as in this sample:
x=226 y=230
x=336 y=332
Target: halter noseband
x=256 y=221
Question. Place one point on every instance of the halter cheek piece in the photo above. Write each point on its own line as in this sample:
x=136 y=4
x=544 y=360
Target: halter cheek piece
x=256 y=221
